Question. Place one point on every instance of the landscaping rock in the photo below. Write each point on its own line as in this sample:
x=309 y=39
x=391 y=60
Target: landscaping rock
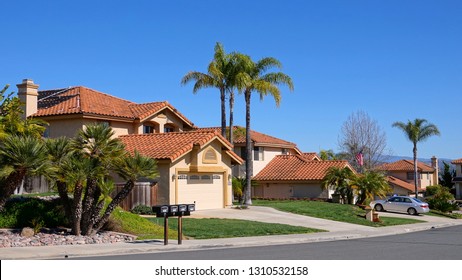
x=27 y=232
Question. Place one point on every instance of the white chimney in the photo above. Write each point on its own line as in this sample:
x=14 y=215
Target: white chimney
x=28 y=94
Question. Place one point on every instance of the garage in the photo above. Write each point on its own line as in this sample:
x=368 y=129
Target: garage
x=205 y=189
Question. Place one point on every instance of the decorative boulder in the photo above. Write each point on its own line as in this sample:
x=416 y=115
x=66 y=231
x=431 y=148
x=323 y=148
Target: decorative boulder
x=27 y=232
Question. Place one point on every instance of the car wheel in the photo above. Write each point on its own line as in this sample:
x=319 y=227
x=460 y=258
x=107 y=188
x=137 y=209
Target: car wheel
x=412 y=211
x=378 y=207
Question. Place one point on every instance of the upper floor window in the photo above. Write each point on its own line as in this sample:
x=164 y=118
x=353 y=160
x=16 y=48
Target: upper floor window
x=410 y=175
x=168 y=129
x=258 y=153
x=148 y=129
x=285 y=151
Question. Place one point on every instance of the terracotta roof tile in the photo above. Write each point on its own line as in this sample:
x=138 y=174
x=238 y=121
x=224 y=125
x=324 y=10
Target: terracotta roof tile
x=297 y=168
x=457 y=161
x=403 y=184
x=174 y=144
x=405 y=165
x=82 y=100
x=258 y=138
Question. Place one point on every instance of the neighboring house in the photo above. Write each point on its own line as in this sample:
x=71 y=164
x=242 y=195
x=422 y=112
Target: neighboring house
x=264 y=147
x=194 y=166
x=402 y=171
x=295 y=176
x=458 y=179
x=400 y=187
x=70 y=109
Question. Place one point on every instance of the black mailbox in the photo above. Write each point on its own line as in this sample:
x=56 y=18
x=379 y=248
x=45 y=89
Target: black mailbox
x=182 y=208
x=161 y=210
x=173 y=209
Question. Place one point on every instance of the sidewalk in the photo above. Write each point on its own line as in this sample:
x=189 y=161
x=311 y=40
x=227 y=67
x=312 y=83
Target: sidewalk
x=336 y=231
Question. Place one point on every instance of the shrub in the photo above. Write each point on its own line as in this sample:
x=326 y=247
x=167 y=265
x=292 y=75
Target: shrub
x=32 y=212
x=142 y=210
x=441 y=199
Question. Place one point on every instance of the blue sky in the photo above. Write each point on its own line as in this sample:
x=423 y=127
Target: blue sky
x=395 y=60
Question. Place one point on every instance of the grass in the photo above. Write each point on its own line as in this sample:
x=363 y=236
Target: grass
x=225 y=228
x=446 y=215
x=134 y=224
x=331 y=211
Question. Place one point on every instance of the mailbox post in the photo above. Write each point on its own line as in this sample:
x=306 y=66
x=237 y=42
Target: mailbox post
x=166 y=211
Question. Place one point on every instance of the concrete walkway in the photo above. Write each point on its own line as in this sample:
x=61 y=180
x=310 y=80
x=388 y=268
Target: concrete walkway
x=336 y=231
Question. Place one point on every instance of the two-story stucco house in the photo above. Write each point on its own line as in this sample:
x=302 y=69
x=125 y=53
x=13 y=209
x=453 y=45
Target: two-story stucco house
x=401 y=175
x=195 y=166
x=458 y=179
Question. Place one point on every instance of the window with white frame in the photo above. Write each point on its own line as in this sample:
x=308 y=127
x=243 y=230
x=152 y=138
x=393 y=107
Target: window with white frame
x=258 y=153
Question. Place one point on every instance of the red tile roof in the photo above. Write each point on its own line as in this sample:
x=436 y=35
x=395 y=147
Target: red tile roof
x=405 y=165
x=403 y=184
x=297 y=168
x=82 y=100
x=173 y=145
x=258 y=138
x=457 y=161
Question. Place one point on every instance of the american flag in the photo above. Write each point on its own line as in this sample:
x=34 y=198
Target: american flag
x=359 y=158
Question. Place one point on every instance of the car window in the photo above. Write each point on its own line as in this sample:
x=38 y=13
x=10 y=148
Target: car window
x=407 y=200
x=417 y=200
x=394 y=199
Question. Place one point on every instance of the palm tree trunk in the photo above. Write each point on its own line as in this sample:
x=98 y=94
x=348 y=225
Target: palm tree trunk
x=231 y=117
x=128 y=187
x=223 y=112
x=416 y=183
x=62 y=191
x=249 y=156
x=11 y=183
x=77 y=209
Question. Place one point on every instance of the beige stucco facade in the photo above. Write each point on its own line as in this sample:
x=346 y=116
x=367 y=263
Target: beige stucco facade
x=425 y=178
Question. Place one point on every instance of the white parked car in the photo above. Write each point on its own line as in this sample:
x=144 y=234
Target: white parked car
x=411 y=205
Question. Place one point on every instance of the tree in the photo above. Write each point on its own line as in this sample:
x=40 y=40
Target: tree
x=327 y=155
x=417 y=131
x=370 y=184
x=341 y=180
x=253 y=77
x=19 y=156
x=217 y=76
x=361 y=134
x=446 y=176
x=84 y=166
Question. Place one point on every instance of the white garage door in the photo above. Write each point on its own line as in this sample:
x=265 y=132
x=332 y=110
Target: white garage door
x=206 y=189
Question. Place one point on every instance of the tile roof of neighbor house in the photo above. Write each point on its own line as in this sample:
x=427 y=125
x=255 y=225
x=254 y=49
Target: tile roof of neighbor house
x=258 y=138
x=457 y=161
x=82 y=100
x=405 y=165
x=402 y=184
x=173 y=145
x=297 y=168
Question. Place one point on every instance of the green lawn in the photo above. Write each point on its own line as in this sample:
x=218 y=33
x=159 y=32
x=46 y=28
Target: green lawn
x=331 y=211
x=224 y=228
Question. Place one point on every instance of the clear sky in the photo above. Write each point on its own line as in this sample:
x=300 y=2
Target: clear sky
x=395 y=60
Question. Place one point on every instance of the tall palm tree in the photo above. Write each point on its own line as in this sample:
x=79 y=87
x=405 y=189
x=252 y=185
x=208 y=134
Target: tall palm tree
x=341 y=179
x=217 y=76
x=417 y=131
x=254 y=78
